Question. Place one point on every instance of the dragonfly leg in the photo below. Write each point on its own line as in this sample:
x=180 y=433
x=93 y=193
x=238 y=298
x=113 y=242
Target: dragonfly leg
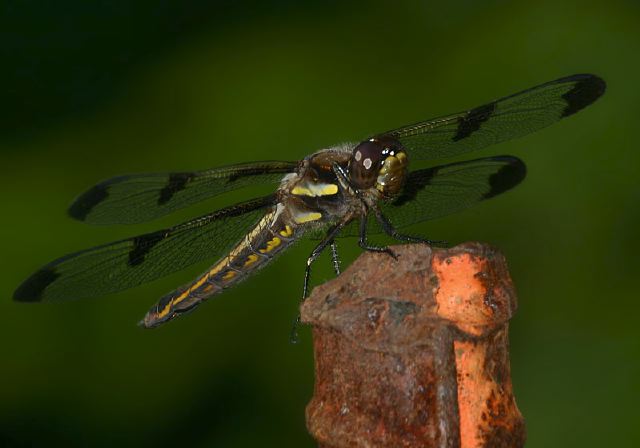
x=343 y=178
x=387 y=226
x=334 y=257
x=362 y=242
x=390 y=230
x=328 y=240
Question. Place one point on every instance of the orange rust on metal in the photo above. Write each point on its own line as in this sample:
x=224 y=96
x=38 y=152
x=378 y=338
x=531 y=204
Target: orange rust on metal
x=413 y=352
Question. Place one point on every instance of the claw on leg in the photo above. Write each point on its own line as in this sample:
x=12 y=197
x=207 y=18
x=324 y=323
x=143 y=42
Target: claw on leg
x=362 y=242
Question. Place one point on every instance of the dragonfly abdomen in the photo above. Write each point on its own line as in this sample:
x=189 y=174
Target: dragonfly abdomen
x=269 y=237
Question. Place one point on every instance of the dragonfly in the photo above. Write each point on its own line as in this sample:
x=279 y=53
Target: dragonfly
x=351 y=189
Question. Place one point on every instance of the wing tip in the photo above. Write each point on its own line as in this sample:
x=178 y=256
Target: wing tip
x=84 y=204
x=507 y=177
x=87 y=201
x=32 y=289
x=586 y=90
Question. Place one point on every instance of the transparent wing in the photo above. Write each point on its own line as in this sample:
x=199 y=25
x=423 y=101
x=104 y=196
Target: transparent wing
x=137 y=198
x=131 y=262
x=500 y=120
x=435 y=192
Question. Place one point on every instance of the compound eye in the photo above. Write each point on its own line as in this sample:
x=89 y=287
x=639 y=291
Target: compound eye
x=368 y=154
x=365 y=163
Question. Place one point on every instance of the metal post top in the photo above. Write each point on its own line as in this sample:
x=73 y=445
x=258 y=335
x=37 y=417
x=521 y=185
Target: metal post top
x=467 y=286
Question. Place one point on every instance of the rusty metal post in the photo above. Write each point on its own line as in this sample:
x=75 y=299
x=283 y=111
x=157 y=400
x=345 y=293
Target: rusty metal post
x=414 y=352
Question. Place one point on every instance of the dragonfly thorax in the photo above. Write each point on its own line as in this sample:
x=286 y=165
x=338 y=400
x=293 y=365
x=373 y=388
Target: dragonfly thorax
x=379 y=163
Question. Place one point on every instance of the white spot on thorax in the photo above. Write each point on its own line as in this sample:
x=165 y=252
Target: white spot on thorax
x=367 y=163
x=358 y=156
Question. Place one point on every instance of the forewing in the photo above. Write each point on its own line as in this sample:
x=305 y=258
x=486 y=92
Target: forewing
x=131 y=262
x=510 y=117
x=137 y=198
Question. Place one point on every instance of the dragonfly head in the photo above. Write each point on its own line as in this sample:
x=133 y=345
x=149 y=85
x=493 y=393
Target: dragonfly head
x=379 y=162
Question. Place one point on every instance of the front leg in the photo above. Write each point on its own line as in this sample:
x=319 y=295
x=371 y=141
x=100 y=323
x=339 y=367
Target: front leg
x=390 y=230
x=343 y=178
x=362 y=242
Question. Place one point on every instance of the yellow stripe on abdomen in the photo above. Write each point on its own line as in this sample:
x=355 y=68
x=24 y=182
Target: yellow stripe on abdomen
x=253 y=251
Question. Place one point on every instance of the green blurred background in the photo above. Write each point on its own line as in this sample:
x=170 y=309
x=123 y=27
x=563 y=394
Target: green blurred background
x=94 y=89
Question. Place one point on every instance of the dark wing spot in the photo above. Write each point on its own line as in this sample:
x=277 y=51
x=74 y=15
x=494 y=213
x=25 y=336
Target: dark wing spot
x=142 y=245
x=584 y=92
x=177 y=182
x=416 y=181
x=83 y=205
x=32 y=288
x=507 y=177
x=472 y=120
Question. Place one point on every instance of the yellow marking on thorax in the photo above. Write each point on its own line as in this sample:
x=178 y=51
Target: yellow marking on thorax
x=301 y=218
x=271 y=244
x=314 y=190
